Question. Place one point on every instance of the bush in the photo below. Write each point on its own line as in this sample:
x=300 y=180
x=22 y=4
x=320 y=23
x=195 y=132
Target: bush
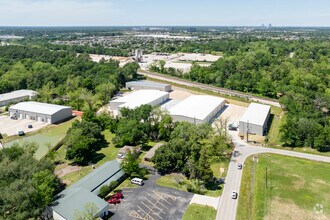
x=113 y=185
x=104 y=191
x=194 y=186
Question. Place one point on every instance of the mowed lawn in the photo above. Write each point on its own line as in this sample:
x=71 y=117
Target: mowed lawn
x=296 y=189
x=199 y=212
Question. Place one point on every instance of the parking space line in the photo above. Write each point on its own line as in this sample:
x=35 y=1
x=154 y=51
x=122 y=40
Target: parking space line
x=155 y=205
x=147 y=214
x=134 y=214
x=157 y=200
x=152 y=211
x=161 y=197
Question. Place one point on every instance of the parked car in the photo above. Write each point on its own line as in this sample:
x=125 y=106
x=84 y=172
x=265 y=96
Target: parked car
x=30 y=126
x=235 y=153
x=118 y=195
x=137 y=181
x=20 y=133
x=120 y=156
x=234 y=194
x=113 y=200
x=239 y=166
x=14 y=117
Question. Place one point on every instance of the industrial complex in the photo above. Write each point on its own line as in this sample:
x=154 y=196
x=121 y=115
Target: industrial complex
x=16 y=96
x=197 y=109
x=138 y=98
x=255 y=119
x=145 y=84
x=42 y=112
x=86 y=190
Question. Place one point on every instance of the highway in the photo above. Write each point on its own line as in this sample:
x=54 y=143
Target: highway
x=227 y=206
x=215 y=89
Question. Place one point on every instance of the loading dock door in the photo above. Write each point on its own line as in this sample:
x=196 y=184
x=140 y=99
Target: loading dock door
x=21 y=116
x=27 y=117
x=48 y=120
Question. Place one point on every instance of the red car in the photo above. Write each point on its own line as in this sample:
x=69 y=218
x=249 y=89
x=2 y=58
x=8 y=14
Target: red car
x=113 y=200
x=118 y=195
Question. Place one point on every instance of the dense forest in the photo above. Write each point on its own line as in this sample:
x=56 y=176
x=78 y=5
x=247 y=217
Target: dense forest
x=62 y=77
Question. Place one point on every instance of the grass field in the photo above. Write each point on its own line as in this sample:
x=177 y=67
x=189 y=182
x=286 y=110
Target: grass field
x=45 y=138
x=199 y=212
x=296 y=189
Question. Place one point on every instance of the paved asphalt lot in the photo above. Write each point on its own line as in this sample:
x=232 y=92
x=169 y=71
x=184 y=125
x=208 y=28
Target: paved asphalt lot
x=151 y=202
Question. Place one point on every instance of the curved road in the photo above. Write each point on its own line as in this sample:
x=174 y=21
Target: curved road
x=210 y=88
x=227 y=207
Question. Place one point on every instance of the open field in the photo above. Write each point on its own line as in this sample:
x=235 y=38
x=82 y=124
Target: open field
x=197 y=212
x=45 y=138
x=296 y=189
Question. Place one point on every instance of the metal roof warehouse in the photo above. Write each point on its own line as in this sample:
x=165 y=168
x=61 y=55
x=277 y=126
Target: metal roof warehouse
x=38 y=111
x=197 y=109
x=255 y=119
x=16 y=96
x=86 y=190
x=146 y=84
x=138 y=98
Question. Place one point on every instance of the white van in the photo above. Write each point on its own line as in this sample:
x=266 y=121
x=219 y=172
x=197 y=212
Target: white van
x=137 y=181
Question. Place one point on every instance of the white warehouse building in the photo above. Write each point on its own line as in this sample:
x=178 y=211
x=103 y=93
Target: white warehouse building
x=16 y=96
x=138 y=98
x=197 y=109
x=42 y=112
x=255 y=119
x=146 y=84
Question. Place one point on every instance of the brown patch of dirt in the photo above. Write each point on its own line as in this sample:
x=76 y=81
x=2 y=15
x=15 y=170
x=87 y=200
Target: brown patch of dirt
x=287 y=210
x=66 y=170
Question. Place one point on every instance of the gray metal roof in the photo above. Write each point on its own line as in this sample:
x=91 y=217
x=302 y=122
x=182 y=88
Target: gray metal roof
x=17 y=94
x=38 y=107
x=256 y=114
x=146 y=83
x=76 y=202
x=86 y=190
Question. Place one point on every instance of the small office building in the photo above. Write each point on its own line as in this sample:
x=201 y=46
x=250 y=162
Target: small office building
x=197 y=109
x=146 y=84
x=16 y=96
x=138 y=98
x=74 y=199
x=255 y=119
x=43 y=112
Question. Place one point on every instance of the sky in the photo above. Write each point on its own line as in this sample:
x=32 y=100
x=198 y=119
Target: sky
x=164 y=12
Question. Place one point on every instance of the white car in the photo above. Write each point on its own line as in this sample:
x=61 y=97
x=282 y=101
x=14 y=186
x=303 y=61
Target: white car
x=234 y=194
x=239 y=166
x=137 y=181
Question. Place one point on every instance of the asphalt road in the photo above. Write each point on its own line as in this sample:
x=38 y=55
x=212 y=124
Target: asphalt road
x=227 y=206
x=210 y=88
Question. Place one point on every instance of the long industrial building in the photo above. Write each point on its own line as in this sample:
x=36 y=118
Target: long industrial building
x=255 y=119
x=197 y=109
x=86 y=190
x=16 y=96
x=42 y=112
x=145 y=84
x=138 y=98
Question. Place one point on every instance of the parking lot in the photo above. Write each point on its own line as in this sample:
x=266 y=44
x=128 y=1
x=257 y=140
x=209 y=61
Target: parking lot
x=151 y=202
x=10 y=126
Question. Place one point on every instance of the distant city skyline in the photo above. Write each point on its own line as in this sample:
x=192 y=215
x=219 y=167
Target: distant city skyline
x=164 y=13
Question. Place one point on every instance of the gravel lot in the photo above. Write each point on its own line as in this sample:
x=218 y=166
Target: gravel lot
x=10 y=126
x=152 y=202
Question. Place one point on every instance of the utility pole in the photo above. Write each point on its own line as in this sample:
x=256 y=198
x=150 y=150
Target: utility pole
x=247 y=131
x=266 y=176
